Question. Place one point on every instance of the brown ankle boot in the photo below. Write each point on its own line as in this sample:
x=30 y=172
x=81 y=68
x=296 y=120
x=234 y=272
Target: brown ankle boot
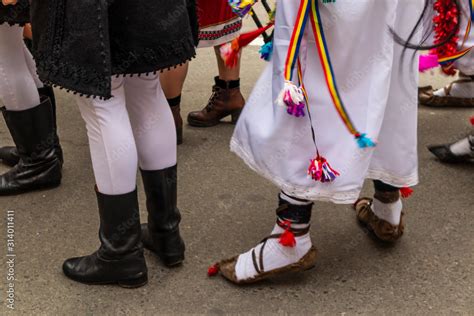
x=225 y=100
x=175 y=106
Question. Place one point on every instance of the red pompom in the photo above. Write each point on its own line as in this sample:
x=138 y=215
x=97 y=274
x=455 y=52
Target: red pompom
x=472 y=120
x=287 y=239
x=406 y=192
x=213 y=270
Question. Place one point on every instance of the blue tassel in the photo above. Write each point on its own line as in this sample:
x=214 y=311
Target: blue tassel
x=266 y=51
x=364 y=142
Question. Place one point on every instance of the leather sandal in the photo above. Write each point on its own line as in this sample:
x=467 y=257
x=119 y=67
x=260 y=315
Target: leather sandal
x=382 y=230
x=227 y=266
x=428 y=98
x=444 y=153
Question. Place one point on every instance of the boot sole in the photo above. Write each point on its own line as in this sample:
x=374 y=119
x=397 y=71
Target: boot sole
x=9 y=163
x=234 y=118
x=127 y=284
x=195 y=123
x=168 y=261
x=31 y=189
x=172 y=262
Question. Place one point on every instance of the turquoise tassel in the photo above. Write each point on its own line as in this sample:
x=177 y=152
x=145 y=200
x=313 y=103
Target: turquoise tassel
x=266 y=51
x=364 y=142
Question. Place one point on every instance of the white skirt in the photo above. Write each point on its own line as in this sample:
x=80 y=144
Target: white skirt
x=379 y=89
x=466 y=64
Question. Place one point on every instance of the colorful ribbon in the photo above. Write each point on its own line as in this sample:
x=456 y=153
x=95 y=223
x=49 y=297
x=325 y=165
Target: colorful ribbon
x=296 y=38
x=291 y=95
x=471 y=4
x=241 y=7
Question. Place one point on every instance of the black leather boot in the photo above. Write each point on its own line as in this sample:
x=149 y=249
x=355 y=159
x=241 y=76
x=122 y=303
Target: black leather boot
x=9 y=154
x=39 y=166
x=161 y=234
x=120 y=258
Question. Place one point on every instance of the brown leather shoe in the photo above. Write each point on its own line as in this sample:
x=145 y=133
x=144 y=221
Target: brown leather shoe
x=382 y=230
x=178 y=120
x=427 y=97
x=225 y=100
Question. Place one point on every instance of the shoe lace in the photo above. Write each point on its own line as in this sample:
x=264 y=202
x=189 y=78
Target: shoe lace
x=216 y=91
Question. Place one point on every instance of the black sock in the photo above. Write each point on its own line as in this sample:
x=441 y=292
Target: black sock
x=298 y=214
x=383 y=187
x=174 y=101
x=232 y=84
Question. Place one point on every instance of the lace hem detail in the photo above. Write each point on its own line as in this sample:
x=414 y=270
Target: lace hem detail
x=346 y=197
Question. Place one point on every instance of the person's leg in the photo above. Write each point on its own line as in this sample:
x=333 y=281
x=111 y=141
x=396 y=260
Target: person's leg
x=29 y=120
x=18 y=90
x=227 y=73
x=172 y=82
x=382 y=215
x=226 y=98
x=119 y=259
x=156 y=144
x=9 y=154
x=288 y=248
x=112 y=145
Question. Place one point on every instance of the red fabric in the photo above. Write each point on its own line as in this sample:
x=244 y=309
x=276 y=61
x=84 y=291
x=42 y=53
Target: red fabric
x=213 y=12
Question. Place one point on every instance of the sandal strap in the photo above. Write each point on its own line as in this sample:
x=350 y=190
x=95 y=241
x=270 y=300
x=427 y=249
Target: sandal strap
x=259 y=267
x=367 y=202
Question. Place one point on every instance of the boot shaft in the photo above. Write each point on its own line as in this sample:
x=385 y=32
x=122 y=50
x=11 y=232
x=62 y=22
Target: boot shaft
x=119 y=232
x=161 y=188
x=32 y=130
x=227 y=96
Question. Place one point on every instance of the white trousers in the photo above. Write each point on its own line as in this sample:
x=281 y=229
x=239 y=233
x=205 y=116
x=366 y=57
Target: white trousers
x=136 y=126
x=18 y=79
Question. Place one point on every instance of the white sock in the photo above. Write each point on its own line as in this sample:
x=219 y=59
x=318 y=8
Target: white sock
x=462 y=147
x=275 y=255
x=390 y=212
x=459 y=90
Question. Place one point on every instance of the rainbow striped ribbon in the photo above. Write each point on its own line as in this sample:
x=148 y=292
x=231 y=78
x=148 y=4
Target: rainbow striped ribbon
x=296 y=38
x=446 y=61
x=293 y=97
x=471 y=3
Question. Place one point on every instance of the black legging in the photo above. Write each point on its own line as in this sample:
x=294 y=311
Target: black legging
x=383 y=187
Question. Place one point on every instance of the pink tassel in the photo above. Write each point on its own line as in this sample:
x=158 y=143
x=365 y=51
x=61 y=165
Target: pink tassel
x=428 y=62
x=293 y=98
x=320 y=170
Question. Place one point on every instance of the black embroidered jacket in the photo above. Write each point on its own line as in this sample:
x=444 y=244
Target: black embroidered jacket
x=80 y=44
